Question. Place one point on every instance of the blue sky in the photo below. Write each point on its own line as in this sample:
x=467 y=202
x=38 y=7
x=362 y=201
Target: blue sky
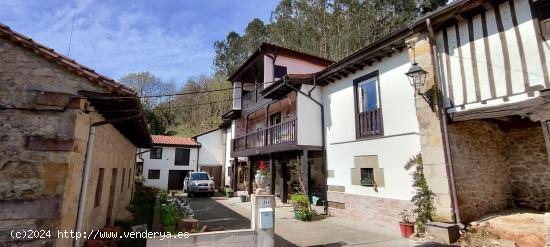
x=171 y=38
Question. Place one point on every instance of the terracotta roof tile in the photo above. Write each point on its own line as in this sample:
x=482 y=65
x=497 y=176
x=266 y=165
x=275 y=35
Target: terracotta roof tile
x=174 y=140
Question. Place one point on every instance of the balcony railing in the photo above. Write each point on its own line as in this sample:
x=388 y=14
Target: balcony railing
x=370 y=123
x=273 y=135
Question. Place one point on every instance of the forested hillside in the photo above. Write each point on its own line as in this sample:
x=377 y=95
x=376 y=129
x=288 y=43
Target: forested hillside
x=326 y=28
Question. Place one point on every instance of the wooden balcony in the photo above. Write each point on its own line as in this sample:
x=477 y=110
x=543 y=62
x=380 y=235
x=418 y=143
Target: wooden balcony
x=272 y=138
x=369 y=123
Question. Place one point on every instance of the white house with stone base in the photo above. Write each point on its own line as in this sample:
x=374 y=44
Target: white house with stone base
x=165 y=165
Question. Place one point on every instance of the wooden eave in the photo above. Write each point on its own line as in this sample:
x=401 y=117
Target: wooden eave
x=112 y=107
x=395 y=41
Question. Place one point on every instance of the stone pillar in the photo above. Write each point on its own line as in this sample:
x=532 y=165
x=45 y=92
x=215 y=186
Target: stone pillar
x=431 y=138
x=264 y=237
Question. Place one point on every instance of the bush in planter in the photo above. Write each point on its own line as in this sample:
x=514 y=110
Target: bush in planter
x=243 y=198
x=170 y=215
x=229 y=192
x=302 y=209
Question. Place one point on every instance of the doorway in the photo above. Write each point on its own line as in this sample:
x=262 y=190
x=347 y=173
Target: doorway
x=175 y=179
x=112 y=190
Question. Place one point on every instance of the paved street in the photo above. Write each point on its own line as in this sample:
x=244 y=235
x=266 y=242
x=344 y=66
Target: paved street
x=221 y=213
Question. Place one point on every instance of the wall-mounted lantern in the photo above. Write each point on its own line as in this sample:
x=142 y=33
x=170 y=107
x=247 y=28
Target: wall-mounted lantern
x=417 y=78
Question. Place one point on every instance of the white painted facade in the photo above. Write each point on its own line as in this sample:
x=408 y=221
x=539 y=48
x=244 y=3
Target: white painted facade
x=212 y=149
x=227 y=156
x=401 y=139
x=165 y=164
x=496 y=68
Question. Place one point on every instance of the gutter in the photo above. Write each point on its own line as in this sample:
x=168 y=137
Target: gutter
x=444 y=127
x=86 y=172
x=322 y=108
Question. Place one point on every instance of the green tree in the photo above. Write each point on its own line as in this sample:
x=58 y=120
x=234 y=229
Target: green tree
x=146 y=84
x=327 y=28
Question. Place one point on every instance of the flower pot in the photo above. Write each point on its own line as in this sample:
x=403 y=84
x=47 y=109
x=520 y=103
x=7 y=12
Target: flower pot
x=262 y=181
x=243 y=198
x=406 y=229
x=229 y=194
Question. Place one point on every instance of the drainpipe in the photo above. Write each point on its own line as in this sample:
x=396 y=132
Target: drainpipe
x=444 y=127
x=308 y=95
x=86 y=172
x=84 y=187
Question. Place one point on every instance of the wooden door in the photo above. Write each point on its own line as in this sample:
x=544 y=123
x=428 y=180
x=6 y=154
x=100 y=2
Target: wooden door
x=215 y=172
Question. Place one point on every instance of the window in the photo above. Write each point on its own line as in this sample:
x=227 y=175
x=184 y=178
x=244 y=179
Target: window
x=542 y=12
x=156 y=153
x=182 y=157
x=367 y=177
x=122 y=181
x=153 y=174
x=367 y=104
x=279 y=71
x=98 y=188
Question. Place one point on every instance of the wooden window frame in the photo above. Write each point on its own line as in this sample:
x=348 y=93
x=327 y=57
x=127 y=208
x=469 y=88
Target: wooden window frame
x=155 y=157
x=356 y=82
x=153 y=170
x=279 y=71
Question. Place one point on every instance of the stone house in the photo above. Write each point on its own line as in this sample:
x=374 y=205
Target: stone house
x=69 y=138
x=166 y=164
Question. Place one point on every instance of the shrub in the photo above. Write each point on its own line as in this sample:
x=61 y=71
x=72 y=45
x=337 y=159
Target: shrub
x=423 y=197
x=170 y=216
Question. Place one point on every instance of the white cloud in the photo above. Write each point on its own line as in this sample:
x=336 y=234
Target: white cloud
x=116 y=38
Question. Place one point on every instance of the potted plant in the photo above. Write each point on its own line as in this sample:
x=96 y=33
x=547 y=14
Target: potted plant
x=229 y=192
x=302 y=210
x=243 y=198
x=407 y=224
x=262 y=178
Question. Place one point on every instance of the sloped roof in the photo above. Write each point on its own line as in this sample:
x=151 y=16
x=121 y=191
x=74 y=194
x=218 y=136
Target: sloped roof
x=174 y=141
x=268 y=47
x=67 y=62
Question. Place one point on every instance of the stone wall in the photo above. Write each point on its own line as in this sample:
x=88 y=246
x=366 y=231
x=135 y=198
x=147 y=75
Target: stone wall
x=431 y=139
x=529 y=169
x=499 y=165
x=374 y=211
x=481 y=174
x=43 y=138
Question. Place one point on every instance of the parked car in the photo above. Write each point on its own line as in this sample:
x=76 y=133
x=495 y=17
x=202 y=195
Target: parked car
x=198 y=183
